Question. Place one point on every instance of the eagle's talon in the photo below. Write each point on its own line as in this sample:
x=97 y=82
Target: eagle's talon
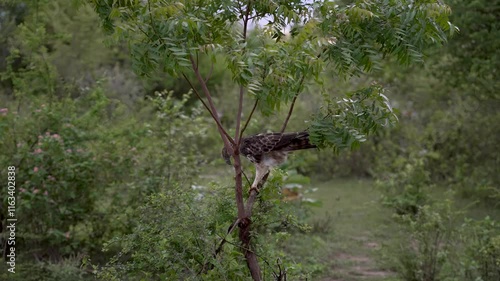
x=257 y=190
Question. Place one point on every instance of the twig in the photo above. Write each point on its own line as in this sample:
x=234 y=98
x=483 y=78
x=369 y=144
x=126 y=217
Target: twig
x=249 y=117
x=293 y=104
x=237 y=135
x=225 y=136
x=250 y=250
x=229 y=231
x=206 y=106
x=248 y=181
x=289 y=114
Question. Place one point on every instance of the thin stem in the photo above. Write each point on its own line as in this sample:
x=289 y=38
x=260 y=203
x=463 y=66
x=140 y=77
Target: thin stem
x=289 y=114
x=249 y=117
x=237 y=134
x=225 y=136
x=292 y=105
x=205 y=105
x=223 y=241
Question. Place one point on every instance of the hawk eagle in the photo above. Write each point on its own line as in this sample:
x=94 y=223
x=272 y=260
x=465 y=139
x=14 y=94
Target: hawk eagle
x=269 y=150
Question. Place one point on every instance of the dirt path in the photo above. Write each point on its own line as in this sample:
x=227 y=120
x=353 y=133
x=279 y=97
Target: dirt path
x=359 y=226
x=349 y=267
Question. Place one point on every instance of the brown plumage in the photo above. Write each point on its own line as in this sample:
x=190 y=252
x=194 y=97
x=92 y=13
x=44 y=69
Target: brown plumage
x=269 y=150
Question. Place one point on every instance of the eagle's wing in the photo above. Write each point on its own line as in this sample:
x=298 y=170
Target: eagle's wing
x=254 y=147
x=293 y=141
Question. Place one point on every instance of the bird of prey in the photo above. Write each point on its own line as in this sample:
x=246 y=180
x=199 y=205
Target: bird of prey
x=269 y=150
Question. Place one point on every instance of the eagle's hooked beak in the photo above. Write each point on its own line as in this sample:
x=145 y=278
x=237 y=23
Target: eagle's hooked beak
x=226 y=156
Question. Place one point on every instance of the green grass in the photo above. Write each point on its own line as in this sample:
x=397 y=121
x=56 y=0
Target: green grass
x=348 y=231
x=351 y=227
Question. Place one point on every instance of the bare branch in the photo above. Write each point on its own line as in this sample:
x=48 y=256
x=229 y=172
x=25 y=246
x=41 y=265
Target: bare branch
x=289 y=114
x=225 y=136
x=249 y=117
x=283 y=128
x=237 y=134
x=206 y=106
x=229 y=231
x=239 y=185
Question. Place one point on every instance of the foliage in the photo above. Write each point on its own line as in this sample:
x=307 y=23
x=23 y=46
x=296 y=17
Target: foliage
x=481 y=258
x=354 y=38
x=82 y=162
x=272 y=68
x=407 y=190
x=59 y=48
x=439 y=244
x=472 y=58
x=65 y=150
x=167 y=241
x=143 y=156
x=448 y=105
x=347 y=122
x=426 y=244
x=46 y=143
x=67 y=269
x=166 y=244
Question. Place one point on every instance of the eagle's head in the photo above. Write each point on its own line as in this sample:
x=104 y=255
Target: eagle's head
x=226 y=156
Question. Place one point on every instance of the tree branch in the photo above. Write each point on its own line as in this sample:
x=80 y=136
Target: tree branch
x=237 y=135
x=206 y=106
x=253 y=195
x=249 y=117
x=225 y=136
x=289 y=114
x=292 y=105
x=245 y=222
x=229 y=231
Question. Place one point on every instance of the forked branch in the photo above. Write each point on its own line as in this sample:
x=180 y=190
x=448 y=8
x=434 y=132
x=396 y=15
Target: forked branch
x=207 y=108
x=213 y=111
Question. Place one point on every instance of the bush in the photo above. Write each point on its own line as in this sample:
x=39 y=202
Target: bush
x=435 y=245
x=63 y=270
x=426 y=241
x=407 y=190
x=481 y=245
x=180 y=232
x=56 y=187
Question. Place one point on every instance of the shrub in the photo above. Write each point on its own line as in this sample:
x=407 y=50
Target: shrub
x=481 y=250
x=407 y=190
x=56 y=187
x=180 y=232
x=426 y=241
